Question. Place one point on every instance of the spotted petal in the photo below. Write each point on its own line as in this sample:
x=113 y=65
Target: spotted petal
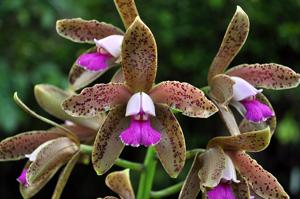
x=119 y=182
x=50 y=99
x=127 y=11
x=214 y=163
x=241 y=189
x=191 y=186
x=108 y=146
x=171 y=148
x=269 y=76
x=94 y=100
x=254 y=141
x=261 y=181
x=184 y=97
x=37 y=185
x=246 y=126
x=55 y=152
x=222 y=88
x=15 y=148
x=139 y=57
x=85 y=31
x=235 y=37
x=64 y=176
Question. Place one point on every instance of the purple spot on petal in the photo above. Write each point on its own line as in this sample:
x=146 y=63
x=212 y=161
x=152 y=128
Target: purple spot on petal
x=257 y=111
x=139 y=133
x=93 y=61
x=222 y=191
x=22 y=178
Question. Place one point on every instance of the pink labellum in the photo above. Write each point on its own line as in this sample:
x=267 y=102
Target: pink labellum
x=93 y=61
x=256 y=111
x=22 y=178
x=139 y=133
x=222 y=191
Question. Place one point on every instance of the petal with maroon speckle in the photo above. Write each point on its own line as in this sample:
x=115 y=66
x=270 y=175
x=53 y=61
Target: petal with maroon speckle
x=94 y=100
x=171 y=148
x=261 y=181
x=222 y=88
x=269 y=76
x=127 y=10
x=108 y=146
x=139 y=57
x=235 y=37
x=184 y=97
x=85 y=31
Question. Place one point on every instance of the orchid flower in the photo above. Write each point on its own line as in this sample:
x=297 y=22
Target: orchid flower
x=139 y=113
x=106 y=38
x=49 y=150
x=214 y=171
x=237 y=85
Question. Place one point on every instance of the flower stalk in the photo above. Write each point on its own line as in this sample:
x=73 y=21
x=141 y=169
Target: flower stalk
x=167 y=191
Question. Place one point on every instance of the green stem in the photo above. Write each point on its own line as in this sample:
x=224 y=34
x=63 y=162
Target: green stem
x=119 y=162
x=193 y=152
x=146 y=179
x=167 y=191
x=205 y=89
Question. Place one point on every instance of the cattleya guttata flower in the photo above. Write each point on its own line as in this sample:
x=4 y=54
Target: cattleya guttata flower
x=106 y=38
x=214 y=171
x=49 y=150
x=140 y=112
x=236 y=86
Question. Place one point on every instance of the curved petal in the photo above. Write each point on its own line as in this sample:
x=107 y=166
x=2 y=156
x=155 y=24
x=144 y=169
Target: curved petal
x=94 y=100
x=85 y=135
x=108 y=146
x=246 y=126
x=118 y=77
x=222 y=88
x=55 y=152
x=262 y=182
x=214 y=164
x=16 y=147
x=37 y=185
x=80 y=77
x=235 y=37
x=139 y=57
x=241 y=189
x=119 y=182
x=85 y=31
x=50 y=99
x=127 y=11
x=171 y=148
x=183 y=96
x=191 y=186
x=254 y=141
x=269 y=76
x=64 y=176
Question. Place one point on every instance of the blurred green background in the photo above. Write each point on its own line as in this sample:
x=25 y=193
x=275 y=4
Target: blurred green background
x=188 y=34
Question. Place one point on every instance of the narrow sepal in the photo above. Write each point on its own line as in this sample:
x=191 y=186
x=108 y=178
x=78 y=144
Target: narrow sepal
x=127 y=10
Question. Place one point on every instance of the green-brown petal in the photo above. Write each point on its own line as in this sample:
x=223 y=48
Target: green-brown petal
x=246 y=126
x=127 y=10
x=108 y=146
x=118 y=77
x=241 y=190
x=191 y=186
x=184 y=97
x=50 y=99
x=94 y=100
x=85 y=31
x=119 y=182
x=214 y=162
x=139 y=57
x=64 y=176
x=15 y=148
x=171 y=148
x=55 y=152
x=254 y=141
x=269 y=76
x=221 y=89
x=235 y=37
x=261 y=181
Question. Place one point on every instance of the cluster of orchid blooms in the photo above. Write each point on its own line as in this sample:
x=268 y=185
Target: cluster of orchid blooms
x=133 y=110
